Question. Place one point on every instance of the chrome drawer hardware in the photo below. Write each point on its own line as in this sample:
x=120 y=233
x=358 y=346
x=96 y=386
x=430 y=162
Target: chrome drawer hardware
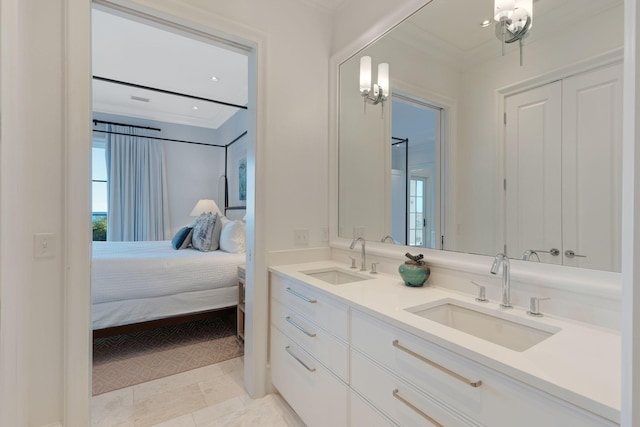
x=302 y=297
x=472 y=383
x=288 y=349
x=397 y=395
x=309 y=334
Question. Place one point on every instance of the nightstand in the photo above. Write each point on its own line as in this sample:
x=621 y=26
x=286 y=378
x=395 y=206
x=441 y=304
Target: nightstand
x=241 y=306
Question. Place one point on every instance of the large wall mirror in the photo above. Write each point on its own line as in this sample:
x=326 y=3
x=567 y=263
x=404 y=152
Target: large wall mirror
x=479 y=151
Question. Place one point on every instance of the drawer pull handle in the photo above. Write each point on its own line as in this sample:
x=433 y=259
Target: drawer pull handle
x=457 y=376
x=309 y=334
x=397 y=395
x=302 y=297
x=288 y=349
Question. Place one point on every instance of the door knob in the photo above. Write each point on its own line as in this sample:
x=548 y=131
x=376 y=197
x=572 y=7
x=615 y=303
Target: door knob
x=570 y=254
x=552 y=251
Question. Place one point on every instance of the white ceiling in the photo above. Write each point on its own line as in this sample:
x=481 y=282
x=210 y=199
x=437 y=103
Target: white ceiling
x=136 y=52
x=452 y=28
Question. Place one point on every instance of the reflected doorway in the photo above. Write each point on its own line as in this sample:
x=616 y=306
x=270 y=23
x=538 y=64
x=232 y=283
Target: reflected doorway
x=415 y=170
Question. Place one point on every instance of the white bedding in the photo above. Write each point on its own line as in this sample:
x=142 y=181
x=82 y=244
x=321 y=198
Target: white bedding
x=124 y=271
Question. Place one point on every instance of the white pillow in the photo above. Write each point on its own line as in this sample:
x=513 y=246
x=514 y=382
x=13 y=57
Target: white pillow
x=232 y=237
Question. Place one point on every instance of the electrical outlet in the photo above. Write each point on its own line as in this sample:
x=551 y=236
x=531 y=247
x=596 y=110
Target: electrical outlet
x=324 y=234
x=301 y=237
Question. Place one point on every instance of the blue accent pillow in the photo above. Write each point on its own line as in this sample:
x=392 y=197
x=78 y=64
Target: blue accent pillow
x=182 y=239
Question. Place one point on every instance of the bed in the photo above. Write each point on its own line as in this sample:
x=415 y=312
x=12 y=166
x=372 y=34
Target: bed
x=134 y=282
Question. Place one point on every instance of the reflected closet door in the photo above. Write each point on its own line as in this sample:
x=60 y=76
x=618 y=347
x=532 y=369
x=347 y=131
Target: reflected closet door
x=533 y=148
x=592 y=169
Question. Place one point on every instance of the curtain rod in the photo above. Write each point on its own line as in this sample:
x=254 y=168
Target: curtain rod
x=240 y=136
x=400 y=140
x=168 y=92
x=96 y=121
x=160 y=139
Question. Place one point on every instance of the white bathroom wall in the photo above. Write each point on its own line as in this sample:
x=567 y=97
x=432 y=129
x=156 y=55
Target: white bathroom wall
x=32 y=196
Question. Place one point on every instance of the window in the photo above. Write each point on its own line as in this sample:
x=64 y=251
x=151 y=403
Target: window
x=99 y=188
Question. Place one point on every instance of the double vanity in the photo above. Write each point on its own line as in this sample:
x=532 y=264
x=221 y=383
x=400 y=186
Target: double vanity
x=356 y=348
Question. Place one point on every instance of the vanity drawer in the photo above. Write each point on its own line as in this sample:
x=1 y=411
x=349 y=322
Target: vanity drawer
x=496 y=400
x=317 y=396
x=317 y=307
x=403 y=403
x=363 y=414
x=431 y=368
x=315 y=340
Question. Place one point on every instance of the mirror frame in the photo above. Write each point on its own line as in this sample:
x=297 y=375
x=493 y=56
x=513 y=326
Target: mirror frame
x=603 y=284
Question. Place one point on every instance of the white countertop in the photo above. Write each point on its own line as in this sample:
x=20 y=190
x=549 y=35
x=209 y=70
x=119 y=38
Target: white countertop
x=580 y=364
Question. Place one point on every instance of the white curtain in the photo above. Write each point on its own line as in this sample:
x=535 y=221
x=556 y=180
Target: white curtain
x=136 y=186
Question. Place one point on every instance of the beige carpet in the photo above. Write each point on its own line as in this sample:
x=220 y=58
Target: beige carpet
x=138 y=357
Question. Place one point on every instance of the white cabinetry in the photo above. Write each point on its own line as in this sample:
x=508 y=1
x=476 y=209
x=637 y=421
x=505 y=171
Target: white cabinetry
x=337 y=365
x=309 y=352
x=415 y=382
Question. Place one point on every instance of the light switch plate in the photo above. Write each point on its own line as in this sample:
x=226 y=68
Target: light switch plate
x=324 y=234
x=44 y=245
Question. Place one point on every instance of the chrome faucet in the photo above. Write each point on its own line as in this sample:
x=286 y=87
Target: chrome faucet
x=389 y=238
x=529 y=253
x=506 y=283
x=363 y=266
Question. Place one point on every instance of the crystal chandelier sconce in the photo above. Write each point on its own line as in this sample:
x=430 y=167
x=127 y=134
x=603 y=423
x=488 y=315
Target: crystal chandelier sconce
x=373 y=93
x=514 y=18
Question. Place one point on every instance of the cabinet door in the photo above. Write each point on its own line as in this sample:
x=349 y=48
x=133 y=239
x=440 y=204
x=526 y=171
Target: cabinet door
x=592 y=168
x=533 y=148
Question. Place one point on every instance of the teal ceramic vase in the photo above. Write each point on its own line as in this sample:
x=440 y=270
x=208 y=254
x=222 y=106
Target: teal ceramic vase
x=414 y=274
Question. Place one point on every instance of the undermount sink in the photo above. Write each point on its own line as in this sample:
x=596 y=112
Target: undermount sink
x=493 y=327
x=335 y=276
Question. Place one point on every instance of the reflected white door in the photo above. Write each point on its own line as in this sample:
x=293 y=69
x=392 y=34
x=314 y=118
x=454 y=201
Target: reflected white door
x=533 y=148
x=563 y=155
x=592 y=169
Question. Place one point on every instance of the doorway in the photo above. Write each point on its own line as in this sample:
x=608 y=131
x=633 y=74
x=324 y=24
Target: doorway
x=415 y=163
x=188 y=135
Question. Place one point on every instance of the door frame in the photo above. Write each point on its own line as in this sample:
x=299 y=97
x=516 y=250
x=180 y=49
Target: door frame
x=77 y=370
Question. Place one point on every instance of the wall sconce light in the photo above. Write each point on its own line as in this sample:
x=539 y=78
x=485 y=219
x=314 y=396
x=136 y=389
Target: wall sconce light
x=515 y=18
x=374 y=93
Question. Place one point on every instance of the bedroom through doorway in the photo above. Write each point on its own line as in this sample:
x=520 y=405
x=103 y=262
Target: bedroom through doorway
x=169 y=199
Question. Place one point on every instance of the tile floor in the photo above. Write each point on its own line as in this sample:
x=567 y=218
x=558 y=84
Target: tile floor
x=206 y=397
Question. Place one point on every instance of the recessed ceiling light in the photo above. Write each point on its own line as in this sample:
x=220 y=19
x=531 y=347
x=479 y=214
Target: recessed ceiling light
x=194 y=107
x=485 y=23
x=214 y=79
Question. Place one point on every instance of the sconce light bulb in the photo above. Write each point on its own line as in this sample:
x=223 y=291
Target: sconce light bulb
x=503 y=9
x=365 y=74
x=526 y=9
x=383 y=78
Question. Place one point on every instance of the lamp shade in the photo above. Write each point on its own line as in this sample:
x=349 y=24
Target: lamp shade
x=365 y=74
x=205 y=206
